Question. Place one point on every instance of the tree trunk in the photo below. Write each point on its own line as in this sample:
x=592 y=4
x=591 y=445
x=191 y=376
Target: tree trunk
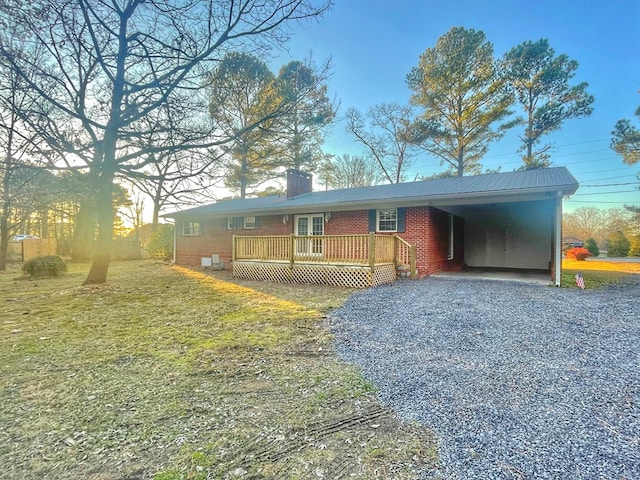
x=44 y=216
x=6 y=209
x=84 y=232
x=461 y=162
x=4 y=243
x=104 y=243
x=4 y=221
x=157 y=200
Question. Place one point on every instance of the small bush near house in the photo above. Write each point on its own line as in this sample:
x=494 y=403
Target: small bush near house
x=591 y=245
x=45 y=266
x=161 y=242
x=634 y=251
x=619 y=245
x=578 y=253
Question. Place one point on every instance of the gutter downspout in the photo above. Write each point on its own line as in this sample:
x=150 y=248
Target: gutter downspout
x=175 y=240
x=557 y=251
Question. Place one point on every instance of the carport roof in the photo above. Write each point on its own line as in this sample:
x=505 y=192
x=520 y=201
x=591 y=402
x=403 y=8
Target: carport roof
x=477 y=189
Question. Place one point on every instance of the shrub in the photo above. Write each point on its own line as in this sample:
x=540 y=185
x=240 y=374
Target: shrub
x=161 y=242
x=578 y=253
x=634 y=251
x=591 y=245
x=48 y=265
x=618 y=245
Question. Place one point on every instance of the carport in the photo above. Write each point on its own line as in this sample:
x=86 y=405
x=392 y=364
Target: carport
x=510 y=236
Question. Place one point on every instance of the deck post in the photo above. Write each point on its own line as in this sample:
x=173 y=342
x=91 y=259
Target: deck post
x=413 y=262
x=291 y=250
x=372 y=250
x=233 y=248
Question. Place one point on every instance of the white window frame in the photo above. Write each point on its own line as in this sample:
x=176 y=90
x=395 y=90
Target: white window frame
x=249 y=223
x=188 y=229
x=379 y=219
x=308 y=245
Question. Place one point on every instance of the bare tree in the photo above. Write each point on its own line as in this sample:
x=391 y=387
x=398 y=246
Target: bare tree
x=345 y=171
x=18 y=177
x=383 y=133
x=172 y=176
x=111 y=64
x=585 y=222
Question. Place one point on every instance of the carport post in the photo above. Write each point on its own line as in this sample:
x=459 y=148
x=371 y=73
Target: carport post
x=557 y=241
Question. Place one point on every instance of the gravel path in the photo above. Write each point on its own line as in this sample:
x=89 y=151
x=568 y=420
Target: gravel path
x=518 y=381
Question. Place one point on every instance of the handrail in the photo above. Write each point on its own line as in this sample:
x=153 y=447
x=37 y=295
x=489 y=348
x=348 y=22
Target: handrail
x=406 y=255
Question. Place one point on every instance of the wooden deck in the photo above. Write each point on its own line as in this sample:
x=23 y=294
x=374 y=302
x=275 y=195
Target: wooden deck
x=357 y=261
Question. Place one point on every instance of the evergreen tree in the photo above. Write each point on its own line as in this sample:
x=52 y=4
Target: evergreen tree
x=308 y=113
x=618 y=245
x=240 y=97
x=540 y=80
x=591 y=245
x=463 y=97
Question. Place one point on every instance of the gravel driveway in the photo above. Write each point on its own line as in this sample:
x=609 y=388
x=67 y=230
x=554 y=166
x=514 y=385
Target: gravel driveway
x=518 y=381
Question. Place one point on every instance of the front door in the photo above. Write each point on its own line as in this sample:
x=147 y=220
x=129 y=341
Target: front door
x=309 y=226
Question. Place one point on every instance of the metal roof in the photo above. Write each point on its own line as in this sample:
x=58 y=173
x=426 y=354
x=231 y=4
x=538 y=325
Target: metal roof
x=477 y=189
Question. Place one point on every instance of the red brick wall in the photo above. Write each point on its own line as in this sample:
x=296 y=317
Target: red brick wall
x=347 y=223
x=216 y=239
x=426 y=228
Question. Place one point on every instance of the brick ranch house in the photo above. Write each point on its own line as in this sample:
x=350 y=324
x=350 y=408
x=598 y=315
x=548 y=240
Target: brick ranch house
x=365 y=236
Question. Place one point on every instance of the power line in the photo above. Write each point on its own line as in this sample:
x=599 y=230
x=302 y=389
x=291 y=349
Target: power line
x=600 y=201
x=606 y=193
x=559 y=146
x=604 y=171
x=609 y=185
x=610 y=178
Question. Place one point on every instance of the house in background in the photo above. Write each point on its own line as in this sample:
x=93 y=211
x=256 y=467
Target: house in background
x=366 y=236
x=571 y=242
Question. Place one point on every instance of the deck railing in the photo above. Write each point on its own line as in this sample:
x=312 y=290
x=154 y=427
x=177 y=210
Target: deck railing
x=406 y=255
x=369 y=249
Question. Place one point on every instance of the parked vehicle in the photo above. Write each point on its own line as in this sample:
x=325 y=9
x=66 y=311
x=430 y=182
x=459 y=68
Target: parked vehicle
x=22 y=236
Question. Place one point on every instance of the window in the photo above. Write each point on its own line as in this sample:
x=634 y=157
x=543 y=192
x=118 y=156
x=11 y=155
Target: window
x=191 y=228
x=388 y=220
x=250 y=222
x=238 y=223
x=308 y=227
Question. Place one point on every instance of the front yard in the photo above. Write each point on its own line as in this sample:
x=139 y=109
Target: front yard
x=168 y=373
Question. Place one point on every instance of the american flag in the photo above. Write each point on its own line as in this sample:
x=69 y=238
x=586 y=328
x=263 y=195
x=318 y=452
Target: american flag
x=579 y=280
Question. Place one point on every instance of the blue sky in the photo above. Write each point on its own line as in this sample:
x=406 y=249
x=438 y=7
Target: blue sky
x=375 y=43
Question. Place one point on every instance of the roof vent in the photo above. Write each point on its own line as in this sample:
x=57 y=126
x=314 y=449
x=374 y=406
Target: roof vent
x=298 y=182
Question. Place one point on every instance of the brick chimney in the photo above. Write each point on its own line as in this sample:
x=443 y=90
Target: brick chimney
x=298 y=182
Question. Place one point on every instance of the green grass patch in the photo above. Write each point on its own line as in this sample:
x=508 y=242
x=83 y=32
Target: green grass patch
x=169 y=373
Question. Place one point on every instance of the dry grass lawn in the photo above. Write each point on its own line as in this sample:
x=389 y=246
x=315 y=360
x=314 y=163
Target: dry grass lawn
x=598 y=274
x=169 y=373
